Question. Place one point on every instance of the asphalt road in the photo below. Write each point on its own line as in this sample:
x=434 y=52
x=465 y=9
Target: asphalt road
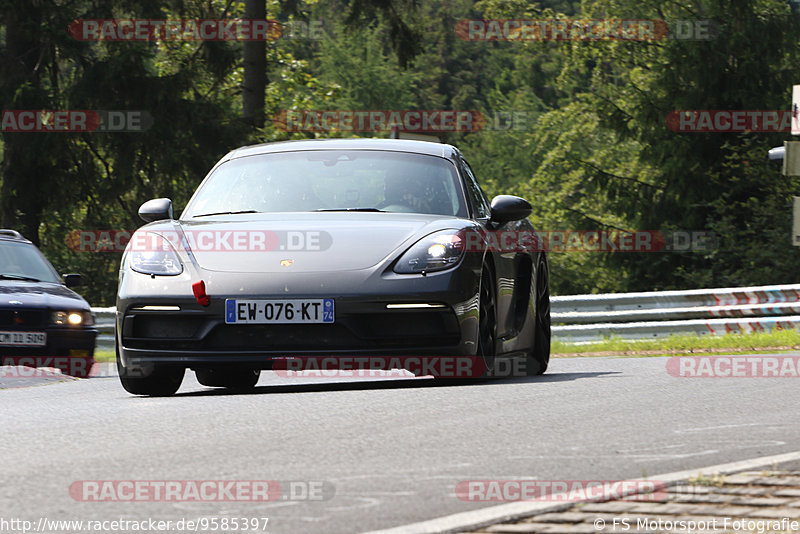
x=392 y=450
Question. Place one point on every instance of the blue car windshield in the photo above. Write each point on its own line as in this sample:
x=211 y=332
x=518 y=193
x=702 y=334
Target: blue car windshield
x=23 y=260
x=331 y=180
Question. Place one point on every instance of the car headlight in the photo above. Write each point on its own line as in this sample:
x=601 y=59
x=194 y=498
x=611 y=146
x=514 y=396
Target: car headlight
x=157 y=256
x=73 y=318
x=434 y=252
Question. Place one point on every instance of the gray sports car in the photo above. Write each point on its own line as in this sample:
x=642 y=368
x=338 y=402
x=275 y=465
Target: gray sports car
x=368 y=253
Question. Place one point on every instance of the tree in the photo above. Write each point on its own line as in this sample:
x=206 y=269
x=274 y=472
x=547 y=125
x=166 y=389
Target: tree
x=404 y=39
x=254 y=82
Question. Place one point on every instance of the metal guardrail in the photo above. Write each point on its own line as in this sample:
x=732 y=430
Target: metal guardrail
x=582 y=318
x=104 y=320
x=654 y=314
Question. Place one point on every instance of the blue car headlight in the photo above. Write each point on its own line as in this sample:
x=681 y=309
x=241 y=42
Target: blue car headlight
x=434 y=252
x=154 y=255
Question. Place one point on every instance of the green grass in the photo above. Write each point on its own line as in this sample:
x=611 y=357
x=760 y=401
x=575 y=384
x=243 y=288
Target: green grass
x=104 y=355
x=776 y=340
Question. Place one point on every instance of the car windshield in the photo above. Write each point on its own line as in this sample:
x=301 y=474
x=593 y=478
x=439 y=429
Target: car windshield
x=331 y=180
x=23 y=261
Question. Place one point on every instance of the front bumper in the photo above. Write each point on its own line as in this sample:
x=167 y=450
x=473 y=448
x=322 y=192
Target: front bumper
x=69 y=349
x=64 y=341
x=364 y=325
x=199 y=336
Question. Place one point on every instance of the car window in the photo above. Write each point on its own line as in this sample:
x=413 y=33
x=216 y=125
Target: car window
x=23 y=259
x=332 y=180
x=476 y=195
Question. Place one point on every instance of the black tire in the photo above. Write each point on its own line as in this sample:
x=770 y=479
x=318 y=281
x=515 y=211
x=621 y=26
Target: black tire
x=487 y=321
x=238 y=379
x=162 y=381
x=540 y=357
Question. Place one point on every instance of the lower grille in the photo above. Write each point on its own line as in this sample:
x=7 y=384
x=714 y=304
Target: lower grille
x=22 y=318
x=361 y=331
x=166 y=326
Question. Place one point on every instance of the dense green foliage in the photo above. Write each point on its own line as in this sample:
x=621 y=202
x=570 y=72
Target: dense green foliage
x=593 y=151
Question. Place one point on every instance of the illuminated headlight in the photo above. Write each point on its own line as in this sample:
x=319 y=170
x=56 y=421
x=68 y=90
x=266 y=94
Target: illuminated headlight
x=157 y=257
x=74 y=318
x=434 y=252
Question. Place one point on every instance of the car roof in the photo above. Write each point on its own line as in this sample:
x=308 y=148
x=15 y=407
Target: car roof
x=395 y=145
x=12 y=235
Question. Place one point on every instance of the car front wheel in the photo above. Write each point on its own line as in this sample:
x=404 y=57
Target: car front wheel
x=540 y=354
x=161 y=381
x=487 y=321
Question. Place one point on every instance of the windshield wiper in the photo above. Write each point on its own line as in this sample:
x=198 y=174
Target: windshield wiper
x=351 y=209
x=18 y=277
x=224 y=213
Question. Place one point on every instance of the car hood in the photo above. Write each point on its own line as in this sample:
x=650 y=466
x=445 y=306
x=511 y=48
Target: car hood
x=39 y=295
x=301 y=242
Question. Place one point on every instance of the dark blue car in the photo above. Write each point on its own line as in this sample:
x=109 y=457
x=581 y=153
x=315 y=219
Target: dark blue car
x=43 y=323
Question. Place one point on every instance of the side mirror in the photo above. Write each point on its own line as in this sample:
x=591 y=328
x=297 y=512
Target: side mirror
x=72 y=280
x=156 y=210
x=507 y=208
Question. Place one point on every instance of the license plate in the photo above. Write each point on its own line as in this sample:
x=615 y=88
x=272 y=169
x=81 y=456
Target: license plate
x=23 y=339
x=269 y=311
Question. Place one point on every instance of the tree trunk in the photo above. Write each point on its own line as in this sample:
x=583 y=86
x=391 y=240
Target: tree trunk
x=20 y=202
x=254 y=82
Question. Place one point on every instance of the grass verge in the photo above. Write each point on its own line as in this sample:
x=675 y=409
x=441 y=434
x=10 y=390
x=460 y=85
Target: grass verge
x=104 y=355
x=775 y=341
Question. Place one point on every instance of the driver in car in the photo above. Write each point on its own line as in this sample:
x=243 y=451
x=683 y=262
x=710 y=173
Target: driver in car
x=404 y=191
